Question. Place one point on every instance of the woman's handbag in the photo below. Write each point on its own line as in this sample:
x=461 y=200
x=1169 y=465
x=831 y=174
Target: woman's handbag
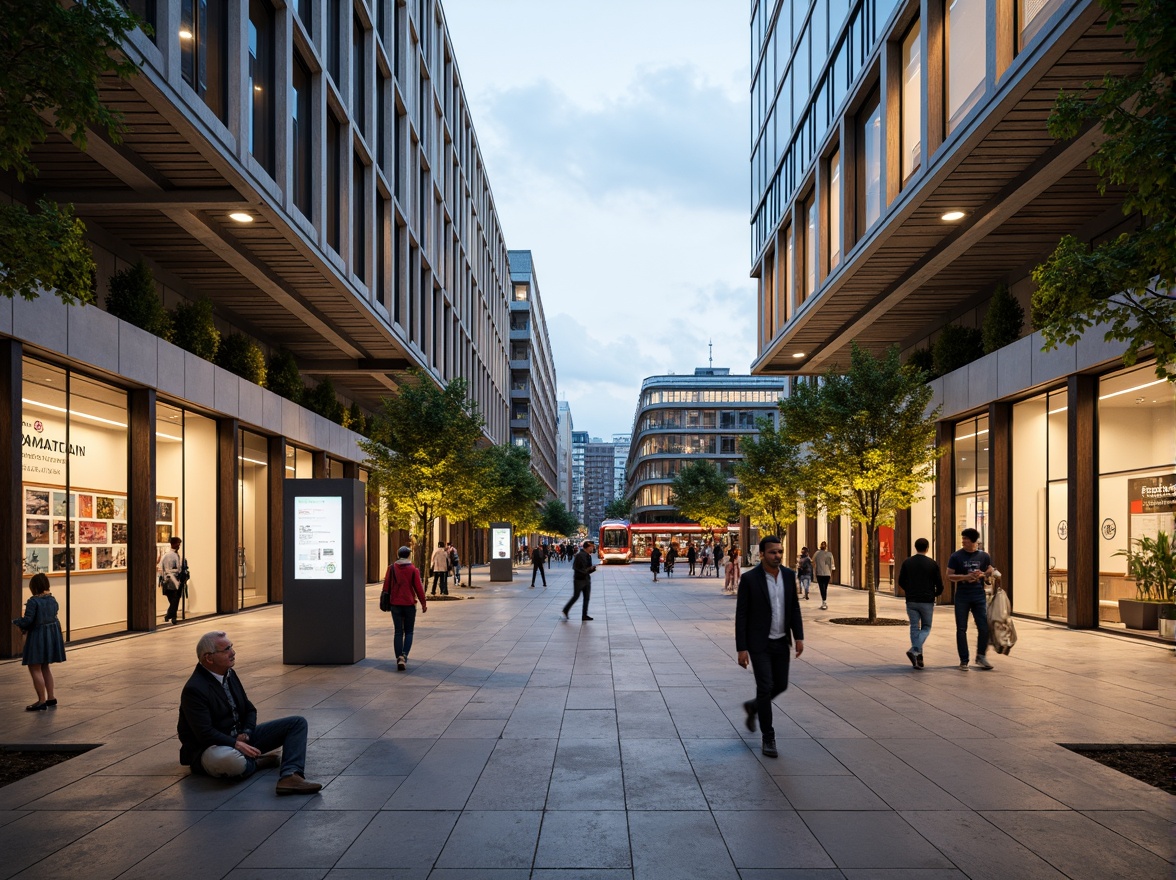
x=386 y=595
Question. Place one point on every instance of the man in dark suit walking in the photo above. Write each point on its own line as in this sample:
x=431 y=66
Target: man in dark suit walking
x=219 y=733
x=582 y=569
x=767 y=621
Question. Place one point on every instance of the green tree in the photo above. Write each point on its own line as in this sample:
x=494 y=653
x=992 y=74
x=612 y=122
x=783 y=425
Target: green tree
x=956 y=346
x=923 y=359
x=52 y=60
x=194 y=328
x=1003 y=320
x=241 y=355
x=421 y=451
x=133 y=296
x=702 y=495
x=323 y=400
x=355 y=419
x=1127 y=282
x=501 y=487
x=618 y=508
x=556 y=519
x=868 y=441
x=769 y=478
x=282 y=375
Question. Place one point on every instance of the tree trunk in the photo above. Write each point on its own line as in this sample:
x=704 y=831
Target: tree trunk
x=872 y=569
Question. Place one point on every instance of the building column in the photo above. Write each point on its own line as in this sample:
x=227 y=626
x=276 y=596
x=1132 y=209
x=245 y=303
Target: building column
x=1000 y=492
x=791 y=548
x=276 y=535
x=902 y=544
x=833 y=539
x=228 y=475
x=945 y=504
x=1082 y=502
x=11 y=493
x=318 y=465
x=373 y=535
x=143 y=591
x=350 y=470
x=810 y=531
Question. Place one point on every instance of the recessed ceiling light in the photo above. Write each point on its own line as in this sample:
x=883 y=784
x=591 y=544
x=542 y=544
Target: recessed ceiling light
x=241 y=217
x=798 y=354
x=185 y=34
x=952 y=216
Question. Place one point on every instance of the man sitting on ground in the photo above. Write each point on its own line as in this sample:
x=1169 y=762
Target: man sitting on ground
x=219 y=733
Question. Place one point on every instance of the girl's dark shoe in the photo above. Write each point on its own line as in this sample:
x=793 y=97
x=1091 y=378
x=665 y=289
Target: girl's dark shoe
x=51 y=704
x=38 y=706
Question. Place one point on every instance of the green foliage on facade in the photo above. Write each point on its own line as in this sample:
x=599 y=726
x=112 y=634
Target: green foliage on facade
x=923 y=360
x=194 y=329
x=241 y=355
x=422 y=451
x=1127 y=282
x=702 y=495
x=355 y=420
x=46 y=249
x=618 y=508
x=323 y=400
x=282 y=375
x=868 y=442
x=770 y=479
x=556 y=519
x=133 y=296
x=1003 y=321
x=956 y=346
x=52 y=58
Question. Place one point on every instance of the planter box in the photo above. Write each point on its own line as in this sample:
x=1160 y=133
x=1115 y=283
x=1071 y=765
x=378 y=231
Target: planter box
x=1139 y=615
x=1167 y=620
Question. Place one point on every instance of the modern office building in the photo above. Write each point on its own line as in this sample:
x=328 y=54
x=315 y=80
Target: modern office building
x=532 y=373
x=563 y=454
x=580 y=440
x=310 y=168
x=684 y=419
x=620 y=460
x=598 y=482
x=901 y=171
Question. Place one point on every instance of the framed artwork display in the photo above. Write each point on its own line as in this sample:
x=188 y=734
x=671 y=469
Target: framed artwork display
x=83 y=530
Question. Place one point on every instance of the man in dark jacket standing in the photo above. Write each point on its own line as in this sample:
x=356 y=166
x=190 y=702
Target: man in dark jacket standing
x=767 y=621
x=922 y=581
x=218 y=729
x=582 y=569
x=538 y=559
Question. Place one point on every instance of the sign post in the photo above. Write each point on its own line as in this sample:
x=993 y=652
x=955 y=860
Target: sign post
x=323 y=572
x=501 y=552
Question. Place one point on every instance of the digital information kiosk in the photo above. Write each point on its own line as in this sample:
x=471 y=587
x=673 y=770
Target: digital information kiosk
x=323 y=572
x=501 y=552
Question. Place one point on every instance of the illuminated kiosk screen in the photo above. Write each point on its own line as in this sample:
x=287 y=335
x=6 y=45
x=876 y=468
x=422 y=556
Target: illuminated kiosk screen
x=318 y=538
x=500 y=543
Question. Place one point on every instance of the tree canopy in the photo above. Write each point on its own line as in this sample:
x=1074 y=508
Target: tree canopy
x=701 y=494
x=618 y=508
x=1126 y=282
x=52 y=59
x=423 y=452
x=868 y=441
x=556 y=519
x=770 y=479
x=501 y=487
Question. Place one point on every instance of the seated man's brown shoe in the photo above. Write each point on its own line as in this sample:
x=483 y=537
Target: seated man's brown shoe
x=268 y=761
x=295 y=784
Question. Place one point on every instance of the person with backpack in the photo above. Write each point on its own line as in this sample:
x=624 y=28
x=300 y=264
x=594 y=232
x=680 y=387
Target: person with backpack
x=455 y=564
x=804 y=572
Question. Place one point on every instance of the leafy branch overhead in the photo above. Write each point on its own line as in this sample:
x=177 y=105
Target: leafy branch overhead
x=701 y=494
x=1126 y=282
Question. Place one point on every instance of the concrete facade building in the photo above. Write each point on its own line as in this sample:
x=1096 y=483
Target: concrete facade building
x=901 y=172
x=580 y=440
x=620 y=460
x=312 y=170
x=532 y=373
x=598 y=482
x=684 y=419
x=563 y=454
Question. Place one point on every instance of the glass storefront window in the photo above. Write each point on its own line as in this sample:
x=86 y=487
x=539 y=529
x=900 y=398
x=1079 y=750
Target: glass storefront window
x=74 y=473
x=912 y=101
x=299 y=463
x=1137 y=474
x=1031 y=15
x=965 y=62
x=253 y=520
x=1040 y=492
x=971 y=477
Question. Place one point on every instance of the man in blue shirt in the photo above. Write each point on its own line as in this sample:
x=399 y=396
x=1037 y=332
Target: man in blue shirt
x=967 y=569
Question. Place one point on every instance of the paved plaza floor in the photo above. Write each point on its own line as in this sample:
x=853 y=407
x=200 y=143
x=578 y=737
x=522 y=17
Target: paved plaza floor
x=520 y=745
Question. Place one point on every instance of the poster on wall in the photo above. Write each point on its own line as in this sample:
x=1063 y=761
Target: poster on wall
x=318 y=537
x=1151 y=506
x=500 y=543
x=83 y=531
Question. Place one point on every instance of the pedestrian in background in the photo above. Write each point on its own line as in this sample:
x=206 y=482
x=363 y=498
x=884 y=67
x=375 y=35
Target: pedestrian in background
x=691 y=557
x=44 y=643
x=804 y=572
x=718 y=558
x=538 y=557
x=922 y=582
x=732 y=580
x=706 y=560
x=671 y=558
x=967 y=568
x=169 y=579
x=439 y=563
x=402 y=583
x=823 y=566
x=655 y=556
x=455 y=564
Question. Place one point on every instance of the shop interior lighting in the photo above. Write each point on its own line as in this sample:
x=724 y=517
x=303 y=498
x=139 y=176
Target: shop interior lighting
x=1129 y=390
x=72 y=412
x=252 y=460
x=953 y=216
x=185 y=33
x=970 y=436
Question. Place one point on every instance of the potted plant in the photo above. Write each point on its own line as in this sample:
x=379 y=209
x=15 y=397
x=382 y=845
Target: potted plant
x=1153 y=567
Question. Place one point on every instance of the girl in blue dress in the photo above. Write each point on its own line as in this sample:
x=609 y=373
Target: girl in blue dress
x=44 y=643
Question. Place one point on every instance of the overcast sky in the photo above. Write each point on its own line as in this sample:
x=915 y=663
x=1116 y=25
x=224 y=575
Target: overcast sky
x=615 y=137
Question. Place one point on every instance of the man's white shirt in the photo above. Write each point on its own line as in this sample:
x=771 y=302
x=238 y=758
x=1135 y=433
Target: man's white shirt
x=776 y=596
